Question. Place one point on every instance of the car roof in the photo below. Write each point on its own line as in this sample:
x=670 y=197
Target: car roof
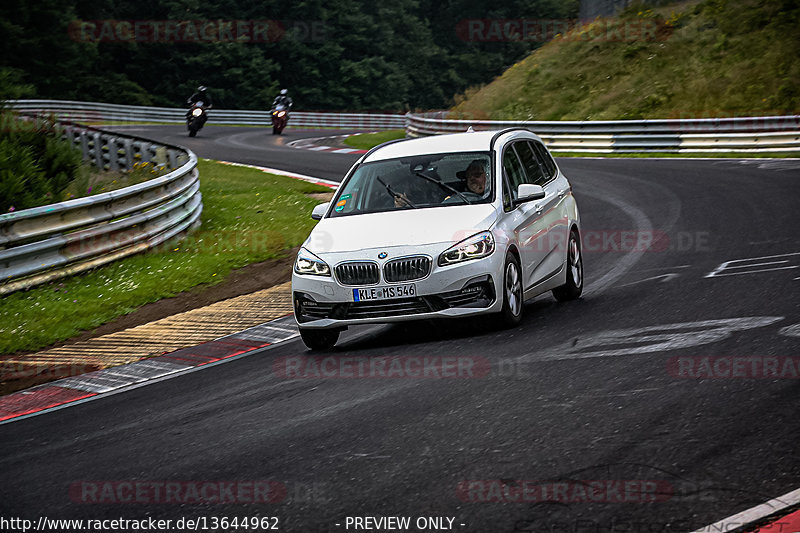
x=478 y=141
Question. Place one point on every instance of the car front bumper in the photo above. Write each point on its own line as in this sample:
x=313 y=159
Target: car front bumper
x=469 y=288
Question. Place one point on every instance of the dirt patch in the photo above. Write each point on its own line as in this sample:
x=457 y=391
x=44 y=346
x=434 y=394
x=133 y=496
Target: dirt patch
x=321 y=196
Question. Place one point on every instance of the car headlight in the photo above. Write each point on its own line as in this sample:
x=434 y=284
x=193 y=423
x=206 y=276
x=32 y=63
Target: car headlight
x=308 y=263
x=197 y=111
x=475 y=247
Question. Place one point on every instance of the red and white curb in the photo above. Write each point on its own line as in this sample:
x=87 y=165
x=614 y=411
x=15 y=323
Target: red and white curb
x=73 y=390
x=311 y=179
x=747 y=521
x=315 y=144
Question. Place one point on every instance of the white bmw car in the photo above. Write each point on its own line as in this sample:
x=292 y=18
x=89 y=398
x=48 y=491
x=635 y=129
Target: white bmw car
x=446 y=226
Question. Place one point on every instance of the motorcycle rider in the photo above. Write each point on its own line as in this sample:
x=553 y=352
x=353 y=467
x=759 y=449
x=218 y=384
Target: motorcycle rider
x=283 y=98
x=202 y=95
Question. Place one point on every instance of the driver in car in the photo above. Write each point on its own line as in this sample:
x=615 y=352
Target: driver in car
x=475 y=175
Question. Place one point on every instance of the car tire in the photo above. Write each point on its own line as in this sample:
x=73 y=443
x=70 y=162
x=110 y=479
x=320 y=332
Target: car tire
x=513 y=298
x=192 y=132
x=319 y=339
x=572 y=289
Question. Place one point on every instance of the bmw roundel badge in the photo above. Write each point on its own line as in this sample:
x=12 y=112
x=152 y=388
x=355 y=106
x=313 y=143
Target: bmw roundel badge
x=382 y=255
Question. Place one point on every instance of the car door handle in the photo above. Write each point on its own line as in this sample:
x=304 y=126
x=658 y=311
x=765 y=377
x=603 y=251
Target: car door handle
x=562 y=192
x=538 y=209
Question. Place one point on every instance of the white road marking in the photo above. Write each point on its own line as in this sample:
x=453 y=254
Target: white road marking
x=752 y=271
x=722 y=269
x=754 y=514
x=790 y=331
x=660 y=268
x=663 y=277
x=775 y=164
x=650 y=339
x=762 y=264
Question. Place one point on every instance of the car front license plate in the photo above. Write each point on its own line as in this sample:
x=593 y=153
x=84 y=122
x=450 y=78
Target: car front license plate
x=385 y=293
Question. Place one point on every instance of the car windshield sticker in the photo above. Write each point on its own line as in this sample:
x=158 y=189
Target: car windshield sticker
x=341 y=203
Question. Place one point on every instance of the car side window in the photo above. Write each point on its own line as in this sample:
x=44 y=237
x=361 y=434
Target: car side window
x=545 y=159
x=513 y=170
x=536 y=174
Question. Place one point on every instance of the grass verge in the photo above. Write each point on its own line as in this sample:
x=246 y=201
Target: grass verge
x=248 y=216
x=365 y=141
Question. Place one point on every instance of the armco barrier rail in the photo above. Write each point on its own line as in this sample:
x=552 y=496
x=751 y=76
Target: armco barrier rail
x=44 y=243
x=94 y=112
x=746 y=134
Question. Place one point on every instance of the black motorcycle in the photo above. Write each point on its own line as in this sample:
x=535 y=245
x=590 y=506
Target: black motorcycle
x=196 y=118
x=280 y=116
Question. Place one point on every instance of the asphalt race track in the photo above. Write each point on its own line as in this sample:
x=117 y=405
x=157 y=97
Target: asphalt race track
x=640 y=407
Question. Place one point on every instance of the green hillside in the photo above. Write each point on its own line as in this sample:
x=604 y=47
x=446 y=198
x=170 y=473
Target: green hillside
x=689 y=60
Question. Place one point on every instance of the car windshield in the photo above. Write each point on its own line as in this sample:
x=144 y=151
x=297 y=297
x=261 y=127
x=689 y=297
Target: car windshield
x=424 y=181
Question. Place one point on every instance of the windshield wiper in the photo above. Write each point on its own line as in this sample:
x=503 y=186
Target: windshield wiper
x=395 y=195
x=442 y=184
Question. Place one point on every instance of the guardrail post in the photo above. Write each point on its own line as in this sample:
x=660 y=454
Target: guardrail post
x=128 y=144
x=84 y=140
x=97 y=150
x=172 y=159
x=69 y=135
x=113 y=155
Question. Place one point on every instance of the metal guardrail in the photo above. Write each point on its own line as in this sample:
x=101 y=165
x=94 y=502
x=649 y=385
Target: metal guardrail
x=44 y=243
x=94 y=112
x=744 y=134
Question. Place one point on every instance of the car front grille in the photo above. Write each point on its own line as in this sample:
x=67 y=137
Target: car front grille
x=358 y=273
x=407 y=269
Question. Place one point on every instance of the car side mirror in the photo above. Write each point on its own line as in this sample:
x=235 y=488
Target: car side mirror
x=319 y=211
x=528 y=192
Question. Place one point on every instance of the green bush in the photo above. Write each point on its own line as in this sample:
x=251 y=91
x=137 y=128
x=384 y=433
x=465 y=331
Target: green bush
x=36 y=164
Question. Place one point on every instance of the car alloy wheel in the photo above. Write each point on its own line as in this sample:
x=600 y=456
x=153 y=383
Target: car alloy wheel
x=511 y=314
x=573 y=288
